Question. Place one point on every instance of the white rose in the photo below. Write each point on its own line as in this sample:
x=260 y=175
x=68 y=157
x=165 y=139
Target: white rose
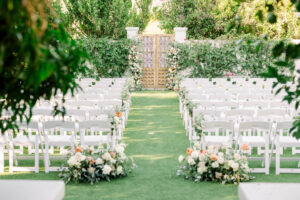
x=235 y=166
x=237 y=156
x=106 y=170
x=180 y=158
x=201 y=170
x=191 y=161
x=201 y=164
x=220 y=154
x=195 y=154
x=73 y=162
x=220 y=159
x=197 y=145
x=119 y=170
x=91 y=170
x=106 y=156
x=215 y=164
x=99 y=161
x=230 y=163
x=113 y=161
x=202 y=156
x=244 y=158
x=119 y=149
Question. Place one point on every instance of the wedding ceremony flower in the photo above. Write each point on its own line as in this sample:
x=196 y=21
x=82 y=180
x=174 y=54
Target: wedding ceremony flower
x=180 y=158
x=91 y=170
x=189 y=151
x=78 y=149
x=99 y=161
x=119 y=170
x=245 y=147
x=106 y=156
x=213 y=157
x=195 y=154
x=191 y=161
x=218 y=164
x=106 y=169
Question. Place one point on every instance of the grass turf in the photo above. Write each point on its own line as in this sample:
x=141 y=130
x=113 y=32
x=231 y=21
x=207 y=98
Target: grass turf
x=155 y=138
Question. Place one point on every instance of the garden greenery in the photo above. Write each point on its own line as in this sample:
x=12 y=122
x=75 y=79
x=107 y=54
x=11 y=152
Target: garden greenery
x=38 y=59
x=102 y=18
x=211 y=19
x=207 y=60
x=108 y=57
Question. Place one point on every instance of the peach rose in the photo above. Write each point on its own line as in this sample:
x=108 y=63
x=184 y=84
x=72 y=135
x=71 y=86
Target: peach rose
x=213 y=157
x=78 y=149
x=175 y=89
x=92 y=162
x=189 y=151
x=118 y=114
x=245 y=147
x=113 y=154
x=203 y=151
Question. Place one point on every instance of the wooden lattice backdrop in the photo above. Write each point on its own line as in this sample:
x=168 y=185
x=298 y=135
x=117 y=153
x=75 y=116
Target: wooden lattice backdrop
x=154 y=60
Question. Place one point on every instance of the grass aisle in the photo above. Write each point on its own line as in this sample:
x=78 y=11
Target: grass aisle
x=155 y=138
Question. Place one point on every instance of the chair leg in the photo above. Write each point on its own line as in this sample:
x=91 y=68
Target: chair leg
x=1 y=158
x=277 y=170
x=11 y=157
x=36 y=158
x=46 y=158
x=267 y=162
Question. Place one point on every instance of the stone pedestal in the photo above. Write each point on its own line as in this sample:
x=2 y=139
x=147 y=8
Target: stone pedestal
x=132 y=32
x=180 y=34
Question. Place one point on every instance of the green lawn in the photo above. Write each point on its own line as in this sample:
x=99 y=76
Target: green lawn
x=155 y=138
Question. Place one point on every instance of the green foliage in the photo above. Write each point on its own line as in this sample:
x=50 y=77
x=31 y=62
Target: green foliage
x=37 y=60
x=211 y=19
x=109 y=57
x=196 y=15
x=140 y=15
x=206 y=60
x=96 y=18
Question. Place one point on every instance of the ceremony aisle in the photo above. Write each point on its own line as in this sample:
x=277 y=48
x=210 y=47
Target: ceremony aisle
x=155 y=138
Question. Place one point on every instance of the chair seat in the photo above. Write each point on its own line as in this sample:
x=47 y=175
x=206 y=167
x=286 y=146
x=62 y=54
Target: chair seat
x=288 y=141
x=218 y=139
x=95 y=139
x=60 y=140
x=24 y=140
x=253 y=140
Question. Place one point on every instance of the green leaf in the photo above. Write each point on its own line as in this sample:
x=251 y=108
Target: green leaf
x=271 y=18
x=281 y=63
x=278 y=49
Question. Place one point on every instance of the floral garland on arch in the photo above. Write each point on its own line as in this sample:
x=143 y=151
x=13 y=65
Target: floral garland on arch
x=172 y=61
x=135 y=66
x=87 y=165
x=216 y=164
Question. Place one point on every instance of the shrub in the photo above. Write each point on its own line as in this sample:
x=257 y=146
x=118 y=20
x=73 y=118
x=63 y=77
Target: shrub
x=108 y=57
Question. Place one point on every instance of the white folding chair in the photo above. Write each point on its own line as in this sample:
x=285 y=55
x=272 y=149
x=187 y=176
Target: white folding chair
x=91 y=133
x=24 y=137
x=284 y=139
x=217 y=133
x=256 y=134
x=60 y=134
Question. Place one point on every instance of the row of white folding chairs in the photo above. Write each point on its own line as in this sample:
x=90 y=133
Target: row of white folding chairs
x=255 y=134
x=54 y=133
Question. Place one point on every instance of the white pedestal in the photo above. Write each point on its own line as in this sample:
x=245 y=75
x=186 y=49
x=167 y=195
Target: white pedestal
x=269 y=191
x=132 y=32
x=180 y=34
x=32 y=190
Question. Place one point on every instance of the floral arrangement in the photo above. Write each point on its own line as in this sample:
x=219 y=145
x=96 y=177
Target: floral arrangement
x=172 y=60
x=216 y=164
x=135 y=66
x=87 y=165
x=197 y=124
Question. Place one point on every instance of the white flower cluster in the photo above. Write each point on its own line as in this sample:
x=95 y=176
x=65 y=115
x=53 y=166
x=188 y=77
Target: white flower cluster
x=226 y=165
x=89 y=165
